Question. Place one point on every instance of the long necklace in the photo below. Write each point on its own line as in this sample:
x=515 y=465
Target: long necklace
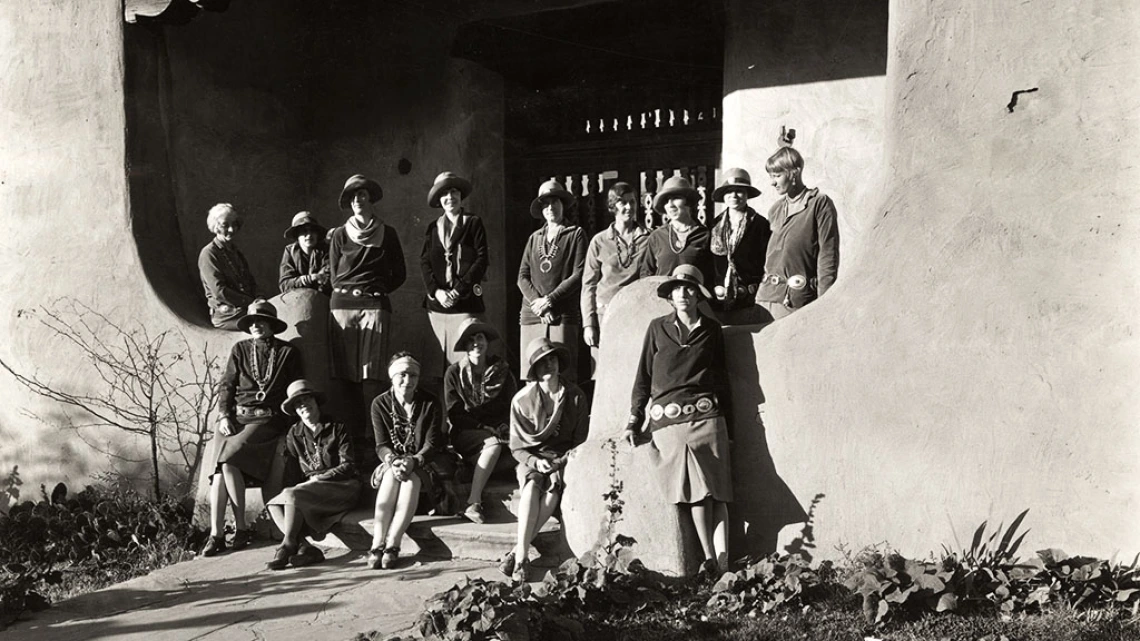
x=262 y=380
x=676 y=242
x=547 y=252
x=403 y=432
x=626 y=260
x=242 y=285
x=312 y=451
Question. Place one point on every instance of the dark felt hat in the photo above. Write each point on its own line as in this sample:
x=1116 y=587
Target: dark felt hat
x=673 y=187
x=735 y=179
x=356 y=183
x=304 y=219
x=445 y=181
x=295 y=391
x=542 y=347
x=262 y=309
x=683 y=275
x=471 y=327
x=548 y=189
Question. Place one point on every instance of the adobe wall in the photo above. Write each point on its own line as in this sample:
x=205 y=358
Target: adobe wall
x=977 y=355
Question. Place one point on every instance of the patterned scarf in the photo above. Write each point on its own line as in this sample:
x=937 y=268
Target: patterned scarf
x=725 y=238
x=487 y=388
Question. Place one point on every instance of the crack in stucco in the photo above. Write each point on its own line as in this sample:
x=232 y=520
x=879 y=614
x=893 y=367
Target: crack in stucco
x=1013 y=98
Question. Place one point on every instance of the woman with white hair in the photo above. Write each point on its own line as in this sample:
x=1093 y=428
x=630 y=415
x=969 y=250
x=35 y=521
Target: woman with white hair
x=229 y=284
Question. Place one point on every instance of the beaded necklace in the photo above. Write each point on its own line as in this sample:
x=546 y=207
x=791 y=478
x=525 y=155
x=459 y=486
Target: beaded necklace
x=241 y=284
x=620 y=243
x=312 y=451
x=547 y=252
x=262 y=380
x=403 y=432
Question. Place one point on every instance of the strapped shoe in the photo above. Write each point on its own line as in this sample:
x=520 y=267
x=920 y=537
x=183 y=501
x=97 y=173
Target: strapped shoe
x=242 y=539
x=522 y=571
x=474 y=513
x=280 y=558
x=388 y=561
x=375 y=558
x=215 y=545
x=306 y=555
x=507 y=564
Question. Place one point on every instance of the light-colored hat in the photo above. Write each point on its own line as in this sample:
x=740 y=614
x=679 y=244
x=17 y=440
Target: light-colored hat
x=548 y=189
x=683 y=275
x=304 y=219
x=295 y=391
x=471 y=327
x=735 y=179
x=445 y=181
x=675 y=186
x=542 y=347
x=356 y=183
x=262 y=309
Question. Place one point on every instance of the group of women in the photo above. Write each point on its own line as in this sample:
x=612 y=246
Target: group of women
x=679 y=400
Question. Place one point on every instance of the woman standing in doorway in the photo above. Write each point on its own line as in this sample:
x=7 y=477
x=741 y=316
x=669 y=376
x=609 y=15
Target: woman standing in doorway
x=550 y=276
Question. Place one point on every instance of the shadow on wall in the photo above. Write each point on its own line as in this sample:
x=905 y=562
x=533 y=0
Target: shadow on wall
x=780 y=44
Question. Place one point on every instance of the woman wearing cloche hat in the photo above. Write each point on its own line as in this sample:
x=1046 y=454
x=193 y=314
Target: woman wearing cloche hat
x=739 y=240
x=680 y=241
x=682 y=373
x=550 y=275
x=366 y=262
x=323 y=449
x=305 y=263
x=249 y=419
x=453 y=261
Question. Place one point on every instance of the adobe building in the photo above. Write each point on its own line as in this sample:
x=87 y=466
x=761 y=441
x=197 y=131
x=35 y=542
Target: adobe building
x=975 y=358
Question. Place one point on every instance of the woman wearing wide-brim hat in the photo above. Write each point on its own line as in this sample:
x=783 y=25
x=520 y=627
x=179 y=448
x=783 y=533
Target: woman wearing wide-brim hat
x=550 y=275
x=681 y=373
x=681 y=240
x=323 y=448
x=453 y=261
x=305 y=263
x=249 y=422
x=477 y=392
x=803 y=253
x=549 y=418
x=226 y=277
x=366 y=263
x=739 y=240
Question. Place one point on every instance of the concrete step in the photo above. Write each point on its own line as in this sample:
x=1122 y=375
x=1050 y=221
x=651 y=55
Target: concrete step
x=448 y=537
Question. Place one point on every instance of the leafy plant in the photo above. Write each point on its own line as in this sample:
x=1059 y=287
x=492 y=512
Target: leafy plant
x=475 y=611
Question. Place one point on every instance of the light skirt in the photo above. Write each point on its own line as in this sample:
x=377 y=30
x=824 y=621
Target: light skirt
x=358 y=344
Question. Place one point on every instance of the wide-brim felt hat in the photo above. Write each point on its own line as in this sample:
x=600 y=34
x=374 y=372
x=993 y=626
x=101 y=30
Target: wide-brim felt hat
x=304 y=219
x=356 y=183
x=550 y=188
x=295 y=391
x=673 y=187
x=542 y=347
x=262 y=309
x=445 y=181
x=684 y=275
x=471 y=327
x=735 y=179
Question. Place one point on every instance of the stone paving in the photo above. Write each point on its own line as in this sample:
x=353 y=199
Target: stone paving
x=234 y=597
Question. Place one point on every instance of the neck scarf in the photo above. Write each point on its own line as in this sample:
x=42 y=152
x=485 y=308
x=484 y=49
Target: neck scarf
x=725 y=237
x=371 y=235
x=533 y=424
x=487 y=387
x=445 y=238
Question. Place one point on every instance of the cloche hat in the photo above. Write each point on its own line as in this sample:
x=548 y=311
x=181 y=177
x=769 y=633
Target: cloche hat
x=683 y=275
x=295 y=391
x=262 y=309
x=550 y=188
x=445 y=181
x=471 y=327
x=735 y=179
x=304 y=219
x=542 y=347
x=675 y=186
x=356 y=183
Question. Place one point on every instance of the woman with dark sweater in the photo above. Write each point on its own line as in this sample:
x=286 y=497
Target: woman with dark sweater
x=477 y=393
x=305 y=262
x=453 y=260
x=682 y=373
x=249 y=419
x=739 y=239
x=550 y=276
x=408 y=424
x=226 y=278
x=366 y=261
x=681 y=240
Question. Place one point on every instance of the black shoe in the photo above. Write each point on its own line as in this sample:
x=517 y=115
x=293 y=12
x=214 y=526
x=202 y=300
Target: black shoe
x=375 y=560
x=215 y=545
x=388 y=560
x=306 y=555
x=242 y=539
x=280 y=558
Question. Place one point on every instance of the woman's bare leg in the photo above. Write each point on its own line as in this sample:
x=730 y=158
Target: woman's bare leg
x=702 y=515
x=529 y=508
x=488 y=457
x=720 y=533
x=285 y=517
x=235 y=485
x=386 y=497
x=409 y=499
x=219 y=499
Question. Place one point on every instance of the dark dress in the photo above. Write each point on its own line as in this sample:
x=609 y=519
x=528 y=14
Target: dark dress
x=662 y=254
x=255 y=406
x=228 y=283
x=297 y=267
x=328 y=451
x=478 y=409
x=738 y=257
x=458 y=263
x=398 y=434
x=681 y=373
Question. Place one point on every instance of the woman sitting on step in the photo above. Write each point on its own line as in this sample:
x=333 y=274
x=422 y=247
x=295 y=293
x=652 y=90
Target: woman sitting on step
x=323 y=448
x=549 y=417
x=477 y=392
x=408 y=423
x=249 y=419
